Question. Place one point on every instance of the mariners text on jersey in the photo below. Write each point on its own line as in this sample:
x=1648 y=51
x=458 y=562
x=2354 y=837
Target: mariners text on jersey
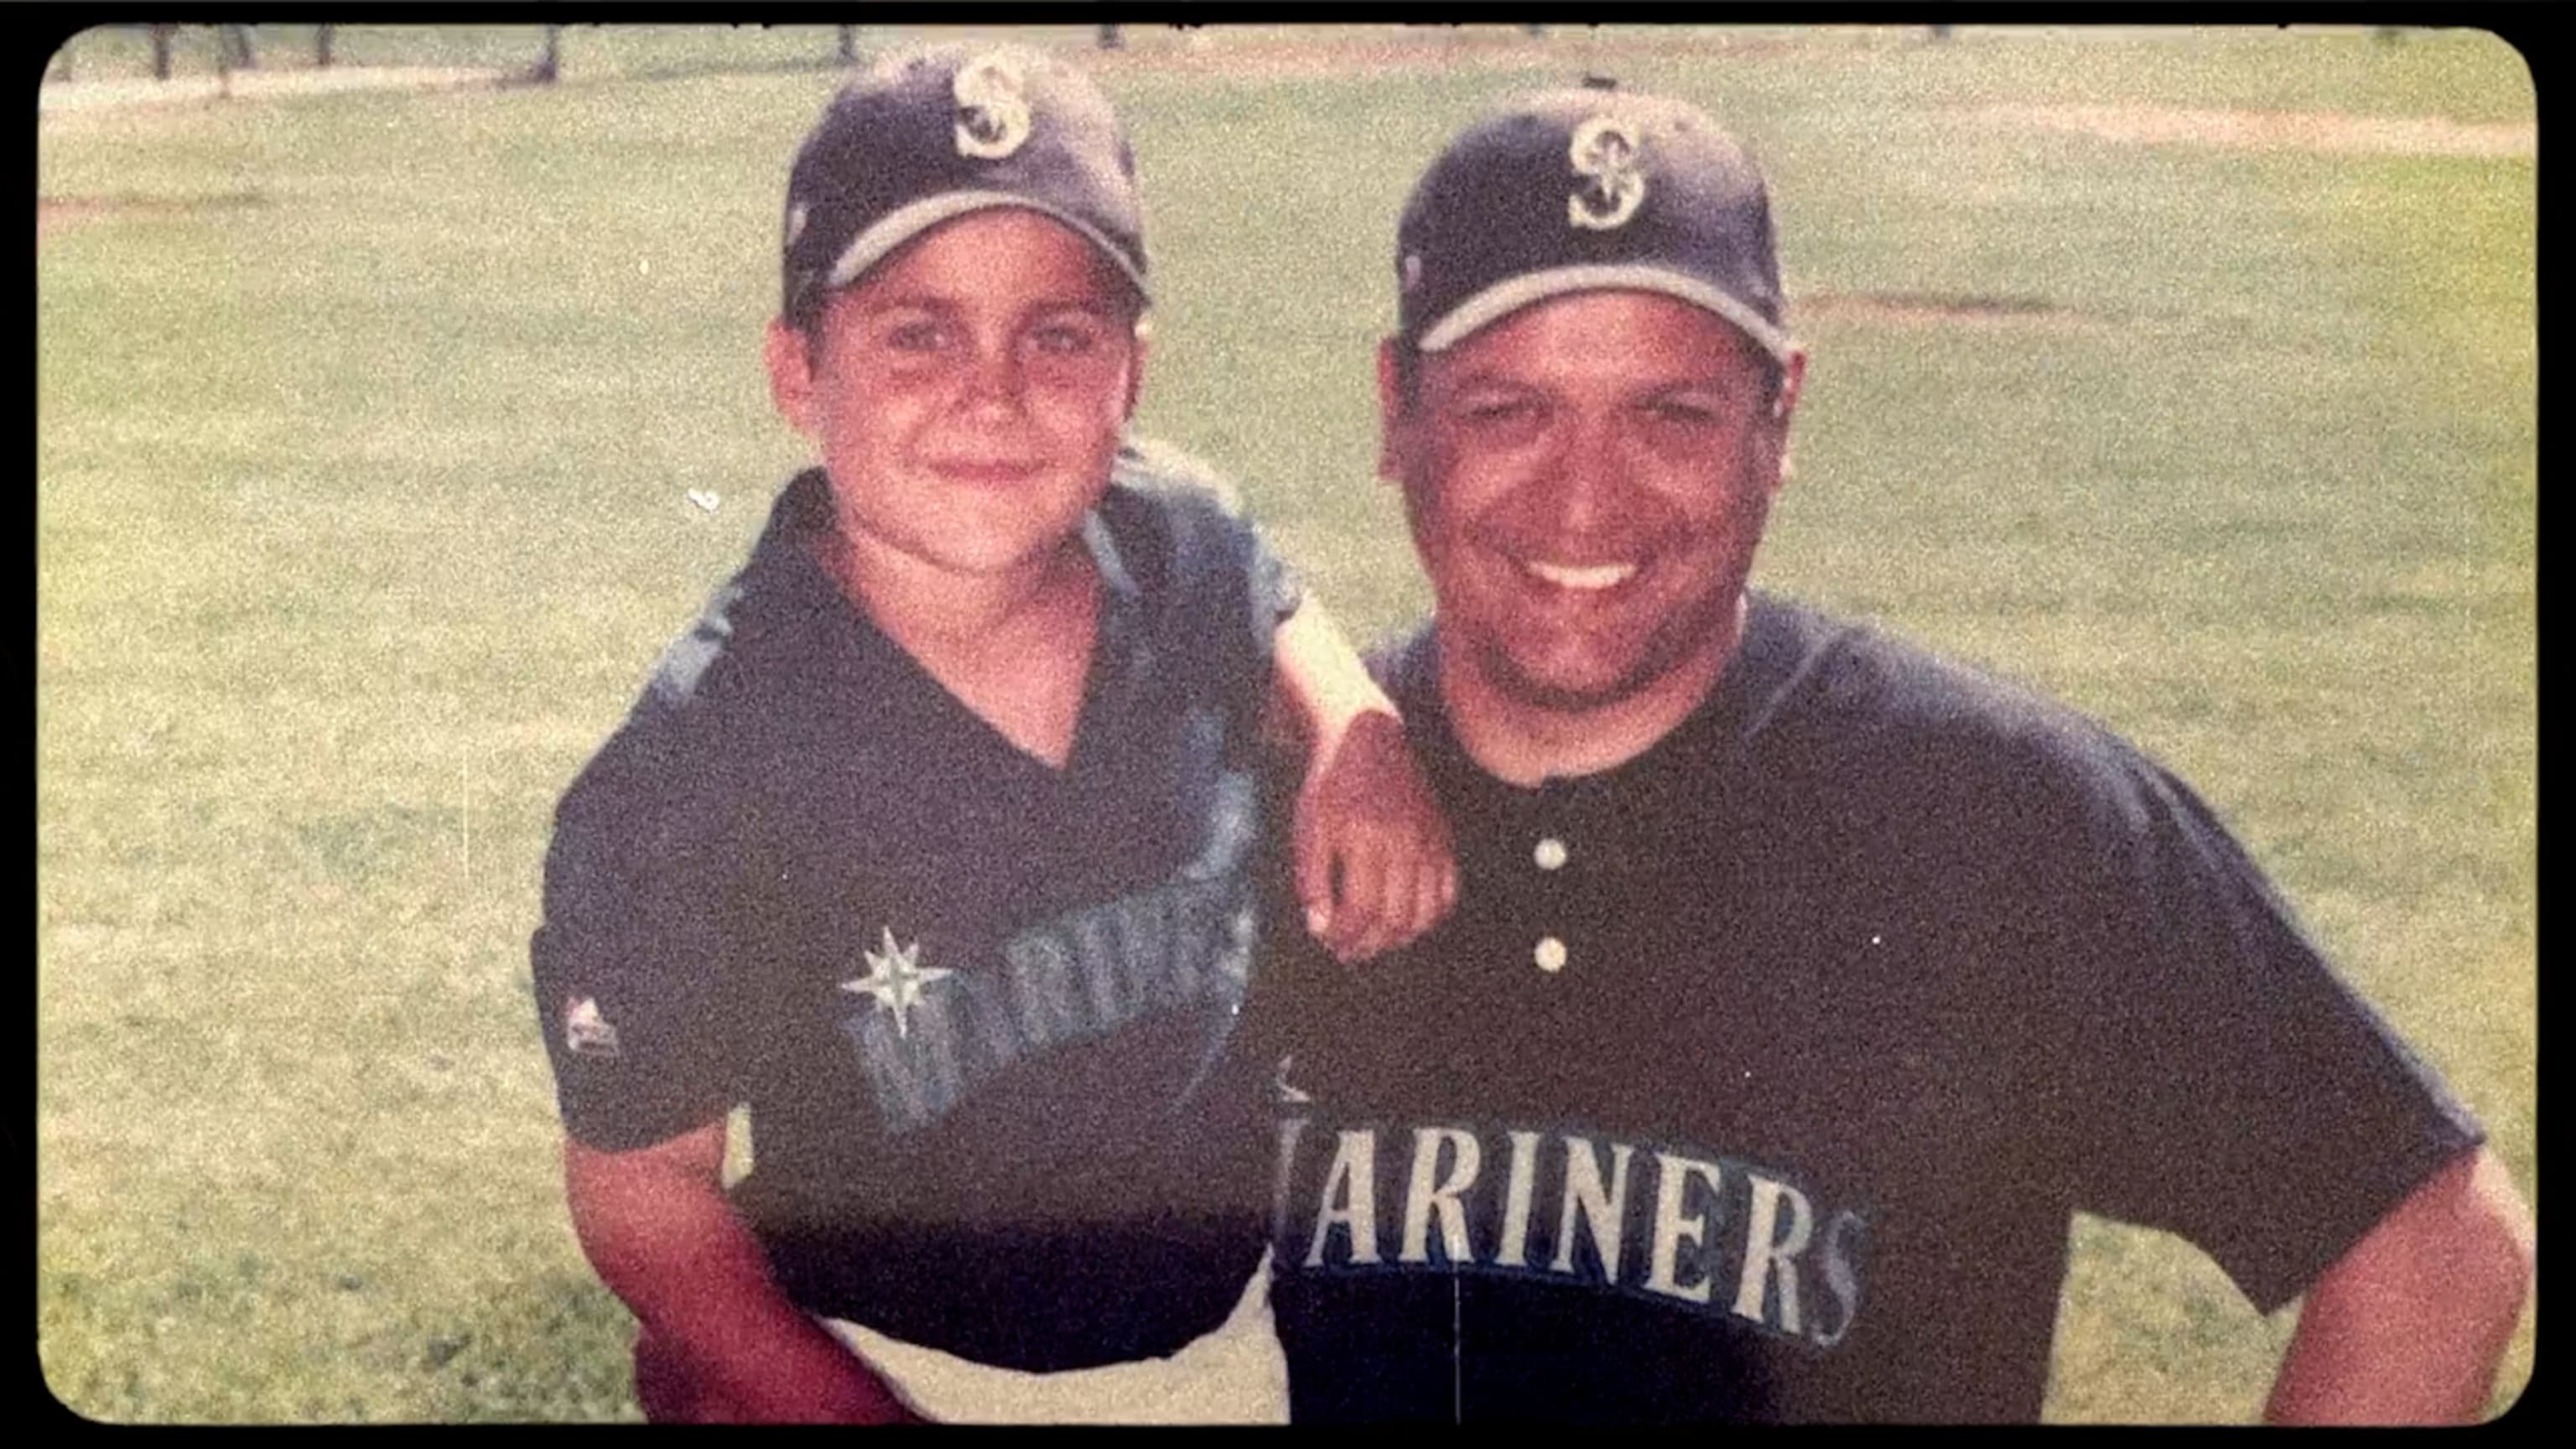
x=1683 y=1225
x=1078 y=977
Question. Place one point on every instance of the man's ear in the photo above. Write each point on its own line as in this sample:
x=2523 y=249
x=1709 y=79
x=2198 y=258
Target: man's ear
x=1793 y=377
x=1393 y=418
x=791 y=374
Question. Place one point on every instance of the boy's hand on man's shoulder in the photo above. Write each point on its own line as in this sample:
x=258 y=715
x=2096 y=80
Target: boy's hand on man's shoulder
x=1373 y=858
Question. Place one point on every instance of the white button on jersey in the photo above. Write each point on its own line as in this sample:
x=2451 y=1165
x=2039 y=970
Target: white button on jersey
x=1550 y=853
x=1550 y=954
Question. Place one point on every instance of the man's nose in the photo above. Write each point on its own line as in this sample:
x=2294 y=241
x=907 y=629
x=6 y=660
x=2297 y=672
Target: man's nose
x=1585 y=481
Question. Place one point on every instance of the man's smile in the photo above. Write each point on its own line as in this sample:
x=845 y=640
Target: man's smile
x=1582 y=578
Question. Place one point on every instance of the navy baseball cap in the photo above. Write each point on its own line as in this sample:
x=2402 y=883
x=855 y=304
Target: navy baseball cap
x=922 y=136
x=1588 y=190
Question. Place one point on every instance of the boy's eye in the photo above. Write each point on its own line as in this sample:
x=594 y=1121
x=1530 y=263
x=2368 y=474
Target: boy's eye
x=916 y=336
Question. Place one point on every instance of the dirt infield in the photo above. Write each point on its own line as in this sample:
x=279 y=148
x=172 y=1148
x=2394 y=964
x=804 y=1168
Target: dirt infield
x=1926 y=309
x=54 y=215
x=2276 y=130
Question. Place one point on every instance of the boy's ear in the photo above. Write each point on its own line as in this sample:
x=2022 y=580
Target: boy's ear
x=791 y=374
x=1136 y=372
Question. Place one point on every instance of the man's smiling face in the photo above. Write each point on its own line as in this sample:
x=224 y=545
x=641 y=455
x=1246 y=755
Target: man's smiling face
x=1587 y=481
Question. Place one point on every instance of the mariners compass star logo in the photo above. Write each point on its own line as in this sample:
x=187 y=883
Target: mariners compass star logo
x=895 y=979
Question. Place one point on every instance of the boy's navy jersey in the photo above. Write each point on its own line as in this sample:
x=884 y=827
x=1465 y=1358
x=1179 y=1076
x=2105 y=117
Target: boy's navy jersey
x=1758 y=1078
x=978 y=1007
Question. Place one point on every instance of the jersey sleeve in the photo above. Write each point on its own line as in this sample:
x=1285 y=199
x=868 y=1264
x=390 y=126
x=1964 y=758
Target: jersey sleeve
x=1225 y=586
x=631 y=961
x=2235 y=1089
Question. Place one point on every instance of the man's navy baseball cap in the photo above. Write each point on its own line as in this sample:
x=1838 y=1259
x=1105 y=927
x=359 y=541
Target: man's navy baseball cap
x=1588 y=190
x=926 y=135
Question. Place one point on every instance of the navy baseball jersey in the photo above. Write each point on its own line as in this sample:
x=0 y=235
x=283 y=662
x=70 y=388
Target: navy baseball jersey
x=1759 y=1077
x=979 y=1008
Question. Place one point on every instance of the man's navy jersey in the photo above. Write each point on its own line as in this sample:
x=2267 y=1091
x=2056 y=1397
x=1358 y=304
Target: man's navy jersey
x=1758 y=1078
x=978 y=1007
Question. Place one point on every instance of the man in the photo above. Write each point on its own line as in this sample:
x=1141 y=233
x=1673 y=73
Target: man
x=1802 y=986
x=931 y=843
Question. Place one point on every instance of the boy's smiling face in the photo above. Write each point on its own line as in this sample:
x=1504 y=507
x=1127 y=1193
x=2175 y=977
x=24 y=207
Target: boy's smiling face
x=967 y=395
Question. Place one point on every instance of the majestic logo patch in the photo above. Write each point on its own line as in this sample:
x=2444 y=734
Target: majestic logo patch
x=796 y=222
x=1605 y=153
x=895 y=980
x=1412 y=270
x=586 y=1032
x=992 y=108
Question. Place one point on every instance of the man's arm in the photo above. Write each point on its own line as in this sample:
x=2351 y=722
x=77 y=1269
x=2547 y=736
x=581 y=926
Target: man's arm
x=721 y=1343
x=2408 y=1326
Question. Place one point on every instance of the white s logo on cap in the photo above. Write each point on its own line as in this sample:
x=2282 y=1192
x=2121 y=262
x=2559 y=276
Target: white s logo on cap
x=1604 y=152
x=992 y=108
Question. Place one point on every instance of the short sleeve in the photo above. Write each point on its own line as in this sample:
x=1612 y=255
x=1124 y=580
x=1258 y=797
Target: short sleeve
x=630 y=961
x=1224 y=586
x=2237 y=1091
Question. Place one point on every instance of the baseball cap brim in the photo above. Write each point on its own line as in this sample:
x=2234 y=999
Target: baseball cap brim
x=1513 y=293
x=904 y=223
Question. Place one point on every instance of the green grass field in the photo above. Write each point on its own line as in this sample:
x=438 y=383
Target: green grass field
x=365 y=424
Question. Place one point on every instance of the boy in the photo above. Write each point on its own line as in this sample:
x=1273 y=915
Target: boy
x=933 y=841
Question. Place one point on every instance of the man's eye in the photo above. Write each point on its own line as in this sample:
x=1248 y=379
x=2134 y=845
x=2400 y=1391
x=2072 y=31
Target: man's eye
x=1683 y=414
x=1066 y=340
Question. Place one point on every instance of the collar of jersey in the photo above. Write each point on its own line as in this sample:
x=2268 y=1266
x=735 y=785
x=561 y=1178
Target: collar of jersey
x=1704 y=745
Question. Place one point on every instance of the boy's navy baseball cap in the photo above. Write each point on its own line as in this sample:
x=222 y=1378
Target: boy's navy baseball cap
x=922 y=136
x=1587 y=190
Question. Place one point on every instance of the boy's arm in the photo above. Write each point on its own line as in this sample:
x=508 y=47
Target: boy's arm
x=725 y=1345
x=1372 y=854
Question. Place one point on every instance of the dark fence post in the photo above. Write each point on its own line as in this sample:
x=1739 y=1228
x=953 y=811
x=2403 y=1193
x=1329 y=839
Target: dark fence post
x=849 y=43
x=322 y=46
x=161 y=51
x=550 y=64
x=1110 y=39
x=236 y=44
